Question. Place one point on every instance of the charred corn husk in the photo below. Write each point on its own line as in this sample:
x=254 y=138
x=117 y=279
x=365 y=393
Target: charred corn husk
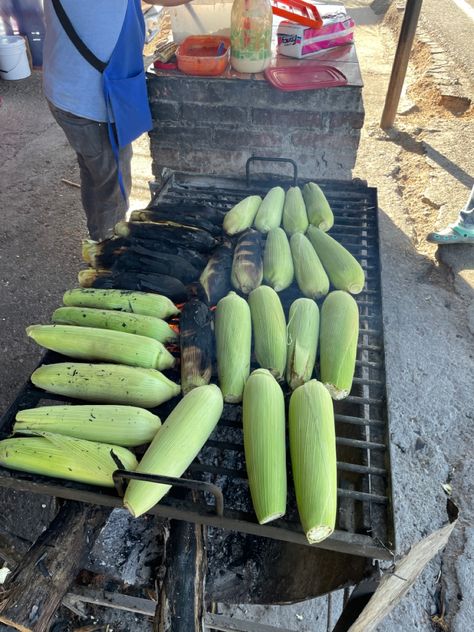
x=313 y=459
x=317 y=207
x=187 y=218
x=138 y=324
x=66 y=457
x=188 y=236
x=338 y=342
x=90 y=343
x=263 y=415
x=344 y=271
x=270 y=211
x=122 y=300
x=175 y=446
x=309 y=272
x=233 y=341
x=215 y=278
x=106 y=383
x=278 y=270
x=241 y=216
x=131 y=280
x=295 y=219
x=119 y=425
x=247 y=265
x=196 y=340
x=269 y=330
x=303 y=332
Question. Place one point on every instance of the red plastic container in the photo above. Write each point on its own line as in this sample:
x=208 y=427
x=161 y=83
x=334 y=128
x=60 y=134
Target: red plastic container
x=198 y=55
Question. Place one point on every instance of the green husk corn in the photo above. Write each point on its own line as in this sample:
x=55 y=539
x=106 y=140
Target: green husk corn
x=278 y=270
x=264 y=444
x=313 y=459
x=338 y=342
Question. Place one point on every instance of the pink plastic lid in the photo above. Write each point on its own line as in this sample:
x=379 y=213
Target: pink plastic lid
x=305 y=77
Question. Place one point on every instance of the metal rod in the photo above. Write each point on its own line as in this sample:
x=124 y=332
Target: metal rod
x=400 y=63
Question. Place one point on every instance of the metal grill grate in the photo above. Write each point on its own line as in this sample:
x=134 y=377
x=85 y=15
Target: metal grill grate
x=365 y=522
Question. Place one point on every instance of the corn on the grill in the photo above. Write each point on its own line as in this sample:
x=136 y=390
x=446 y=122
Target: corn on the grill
x=264 y=443
x=317 y=207
x=247 y=266
x=89 y=343
x=309 y=272
x=123 y=300
x=196 y=344
x=278 y=270
x=344 y=271
x=66 y=457
x=303 y=332
x=338 y=342
x=313 y=459
x=295 y=219
x=176 y=444
x=138 y=324
x=269 y=330
x=106 y=383
x=241 y=216
x=233 y=328
x=120 y=425
x=270 y=210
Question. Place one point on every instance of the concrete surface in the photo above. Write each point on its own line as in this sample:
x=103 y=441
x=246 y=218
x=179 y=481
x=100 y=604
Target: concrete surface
x=423 y=171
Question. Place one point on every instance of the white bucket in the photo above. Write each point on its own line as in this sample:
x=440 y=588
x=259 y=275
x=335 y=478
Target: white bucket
x=13 y=58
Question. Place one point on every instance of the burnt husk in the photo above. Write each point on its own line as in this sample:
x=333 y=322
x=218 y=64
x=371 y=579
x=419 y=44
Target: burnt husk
x=196 y=340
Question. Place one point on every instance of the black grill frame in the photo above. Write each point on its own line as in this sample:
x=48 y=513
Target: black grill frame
x=365 y=516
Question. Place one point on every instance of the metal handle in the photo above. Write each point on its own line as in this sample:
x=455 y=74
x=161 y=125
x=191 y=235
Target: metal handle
x=200 y=486
x=263 y=159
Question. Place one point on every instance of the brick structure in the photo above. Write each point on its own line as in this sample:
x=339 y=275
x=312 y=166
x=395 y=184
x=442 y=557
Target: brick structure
x=211 y=125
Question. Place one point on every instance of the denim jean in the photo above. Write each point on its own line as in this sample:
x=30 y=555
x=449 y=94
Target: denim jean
x=102 y=198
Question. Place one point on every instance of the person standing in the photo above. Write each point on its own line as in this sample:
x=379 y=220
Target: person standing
x=95 y=85
x=462 y=231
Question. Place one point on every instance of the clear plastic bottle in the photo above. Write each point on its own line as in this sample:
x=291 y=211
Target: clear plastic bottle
x=251 y=35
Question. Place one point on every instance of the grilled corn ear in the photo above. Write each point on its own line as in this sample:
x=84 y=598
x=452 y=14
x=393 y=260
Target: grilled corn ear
x=270 y=211
x=344 y=271
x=313 y=459
x=295 y=219
x=66 y=457
x=264 y=444
x=278 y=270
x=122 y=300
x=309 y=272
x=247 y=266
x=317 y=207
x=338 y=342
x=90 y=343
x=120 y=425
x=241 y=216
x=138 y=324
x=106 y=383
x=269 y=330
x=303 y=332
x=233 y=342
x=175 y=446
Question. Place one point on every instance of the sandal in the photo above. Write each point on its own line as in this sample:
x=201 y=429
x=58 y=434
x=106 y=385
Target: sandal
x=453 y=234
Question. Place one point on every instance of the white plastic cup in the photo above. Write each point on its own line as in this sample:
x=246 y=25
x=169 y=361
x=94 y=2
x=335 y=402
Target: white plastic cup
x=13 y=58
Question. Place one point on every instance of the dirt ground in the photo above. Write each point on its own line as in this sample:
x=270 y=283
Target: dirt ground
x=423 y=170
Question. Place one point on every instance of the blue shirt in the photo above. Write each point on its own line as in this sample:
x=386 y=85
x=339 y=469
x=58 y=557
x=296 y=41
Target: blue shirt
x=69 y=81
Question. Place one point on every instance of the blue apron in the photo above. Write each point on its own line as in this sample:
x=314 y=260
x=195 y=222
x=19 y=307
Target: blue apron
x=123 y=76
x=125 y=84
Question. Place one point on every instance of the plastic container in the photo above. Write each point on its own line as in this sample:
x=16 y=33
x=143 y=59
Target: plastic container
x=251 y=35
x=206 y=55
x=201 y=17
x=13 y=58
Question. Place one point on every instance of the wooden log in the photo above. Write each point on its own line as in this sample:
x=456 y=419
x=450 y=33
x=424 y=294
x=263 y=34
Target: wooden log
x=36 y=588
x=181 y=595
